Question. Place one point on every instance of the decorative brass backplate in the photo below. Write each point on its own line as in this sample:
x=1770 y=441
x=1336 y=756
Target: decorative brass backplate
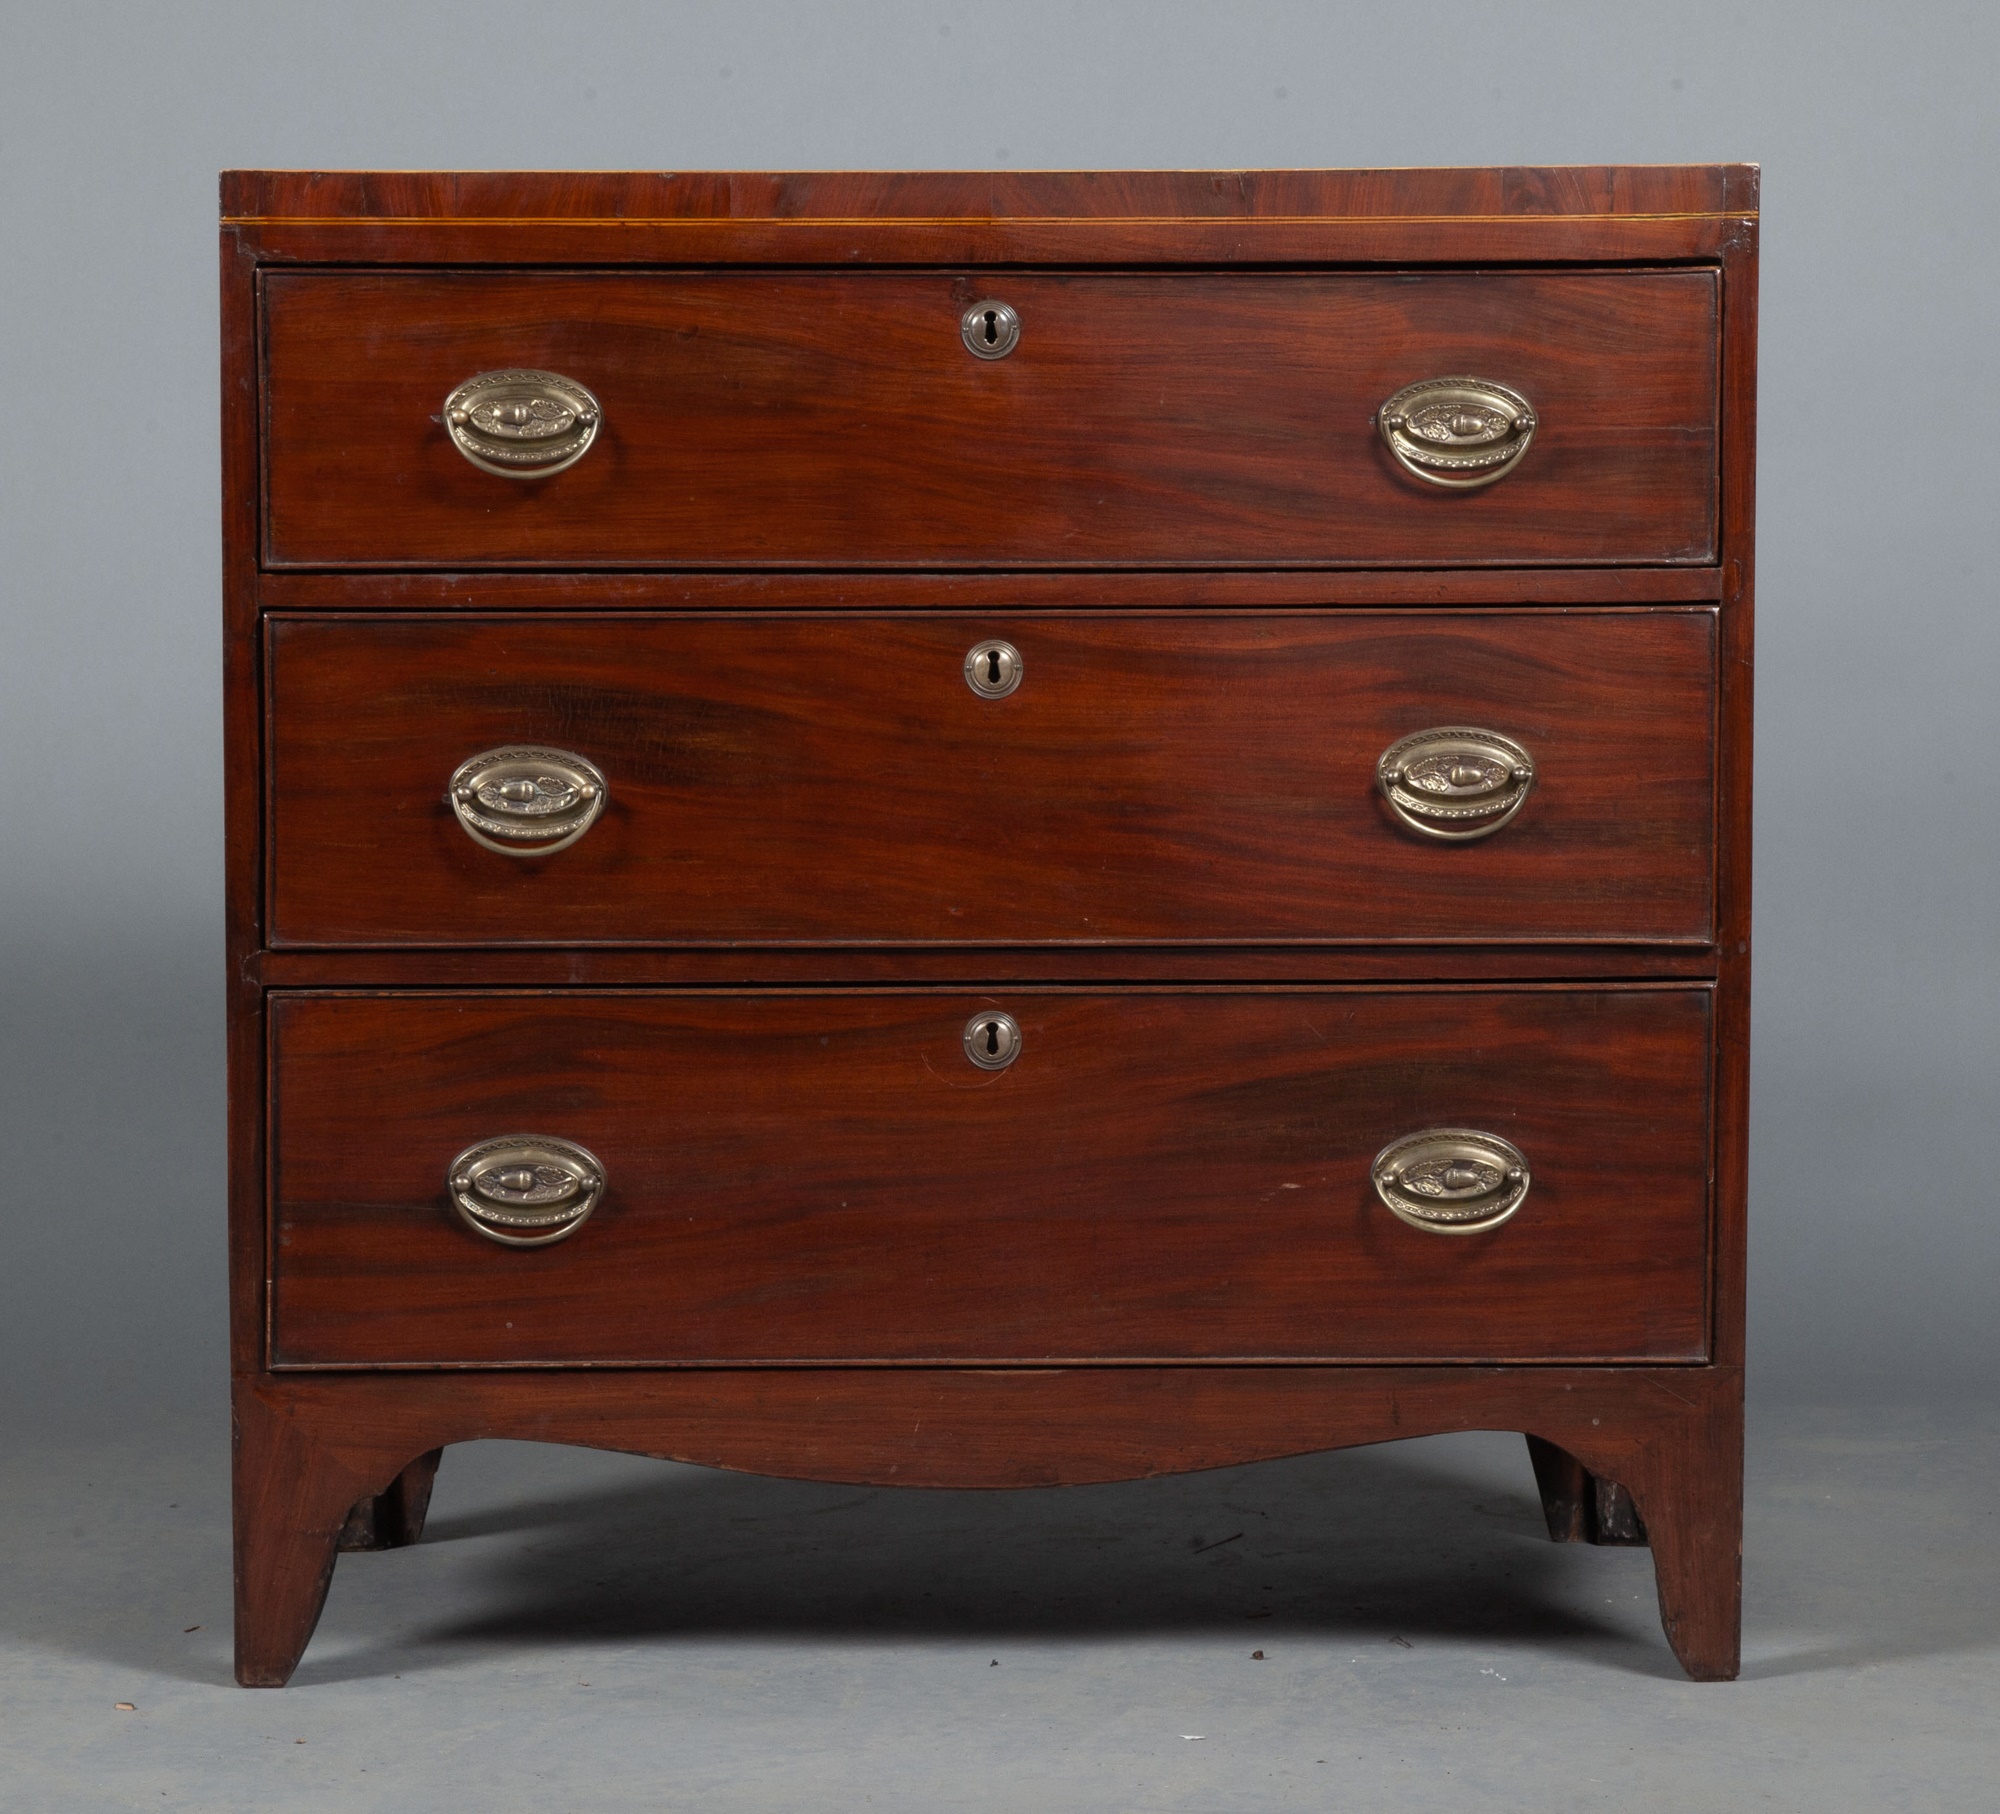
x=522 y=424
x=526 y=802
x=1455 y=781
x=525 y=1190
x=1460 y=433
x=1451 y=1180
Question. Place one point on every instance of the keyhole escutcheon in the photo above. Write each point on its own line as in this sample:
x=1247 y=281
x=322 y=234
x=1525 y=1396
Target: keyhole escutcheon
x=990 y=330
x=992 y=1039
x=993 y=668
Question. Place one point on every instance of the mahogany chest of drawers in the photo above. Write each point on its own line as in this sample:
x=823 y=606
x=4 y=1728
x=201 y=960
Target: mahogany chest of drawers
x=988 y=830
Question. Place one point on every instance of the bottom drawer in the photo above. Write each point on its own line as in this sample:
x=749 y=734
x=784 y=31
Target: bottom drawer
x=1184 y=1174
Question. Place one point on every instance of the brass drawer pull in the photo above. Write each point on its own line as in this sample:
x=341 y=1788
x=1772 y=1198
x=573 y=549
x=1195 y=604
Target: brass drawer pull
x=525 y=1190
x=526 y=802
x=522 y=425
x=1455 y=782
x=1451 y=1180
x=1460 y=433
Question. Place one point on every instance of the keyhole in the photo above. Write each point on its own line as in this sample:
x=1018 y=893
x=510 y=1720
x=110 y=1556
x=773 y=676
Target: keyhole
x=989 y=329
x=992 y=1040
x=993 y=669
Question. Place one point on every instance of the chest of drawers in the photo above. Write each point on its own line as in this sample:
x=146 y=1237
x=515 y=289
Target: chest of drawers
x=988 y=830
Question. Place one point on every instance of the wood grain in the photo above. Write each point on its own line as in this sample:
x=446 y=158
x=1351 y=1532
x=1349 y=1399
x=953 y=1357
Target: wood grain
x=1238 y=495
x=1578 y=1506
x=976 y=966
x=308 y=1447
x=394 y=1517
x=1161 y=1174
x=1735 y=739
x=1453 y=588
x=820 y=780
x=1592 y=214
x=1567 y=1492
x=1443 y=197
x=243 y=799
x=834 y=419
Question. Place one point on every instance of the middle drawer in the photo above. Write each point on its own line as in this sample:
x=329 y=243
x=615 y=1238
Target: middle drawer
x=1146 y=778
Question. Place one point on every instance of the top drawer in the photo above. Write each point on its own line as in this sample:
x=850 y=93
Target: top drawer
x=837 y=419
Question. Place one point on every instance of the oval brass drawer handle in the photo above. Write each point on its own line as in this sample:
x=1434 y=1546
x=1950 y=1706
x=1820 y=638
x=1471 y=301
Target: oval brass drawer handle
x=525 y=1190
x=521 y=424
x=1451 y=1180
x=526 y=802
x=1455 y=781
x=1460 y=433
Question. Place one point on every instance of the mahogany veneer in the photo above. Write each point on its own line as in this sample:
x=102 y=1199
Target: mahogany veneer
x=822 y=420
x=1165 y=1174
x=828 y=1244
x=790 y=779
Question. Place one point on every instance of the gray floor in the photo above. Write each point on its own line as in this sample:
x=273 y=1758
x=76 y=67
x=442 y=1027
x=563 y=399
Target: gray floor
x=584 y=1632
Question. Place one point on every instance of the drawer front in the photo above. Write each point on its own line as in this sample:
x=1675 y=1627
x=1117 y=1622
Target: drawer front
x=760 y=419
x=1151 y=778
x=1181 y=1174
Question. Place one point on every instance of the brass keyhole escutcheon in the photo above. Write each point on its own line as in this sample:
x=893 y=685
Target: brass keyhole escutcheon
x=990 y=330
x=993 y=668
x=992 y=1039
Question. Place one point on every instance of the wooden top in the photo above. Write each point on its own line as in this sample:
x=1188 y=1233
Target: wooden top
x=1018 y=195
x=1587 y=214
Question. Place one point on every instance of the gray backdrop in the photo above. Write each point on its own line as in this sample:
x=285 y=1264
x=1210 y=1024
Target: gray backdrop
x=1875 y=1243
